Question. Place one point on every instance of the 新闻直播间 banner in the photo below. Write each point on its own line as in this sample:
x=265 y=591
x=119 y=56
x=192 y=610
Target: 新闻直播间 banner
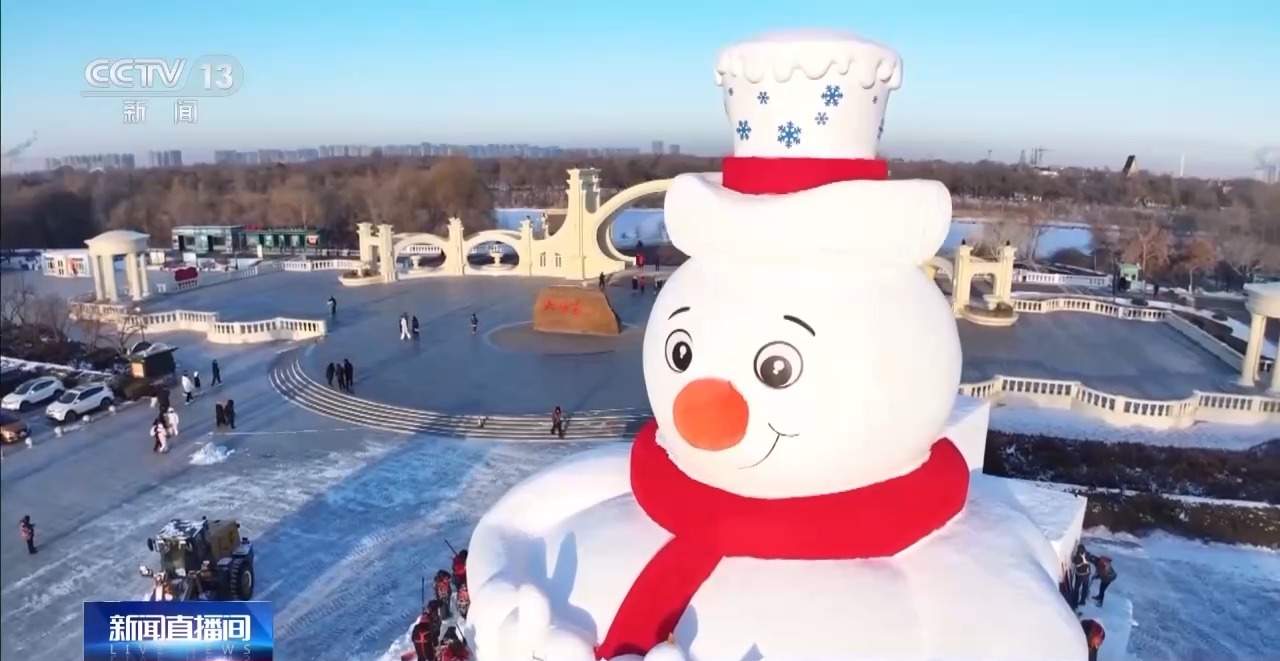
x=162 y=630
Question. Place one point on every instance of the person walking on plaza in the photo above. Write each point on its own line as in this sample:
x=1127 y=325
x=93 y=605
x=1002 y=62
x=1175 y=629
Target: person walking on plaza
x=333 y=308
x=217 y=374
x=602 y=280
x=188 y=386
x=171 y=422
x=162 y=399
x=635 y=284
x=219 y=416
x=160 y=434
x=195 y=378
x=557 y=422
x=475 y=323
x=342 y=377
x=28 y=531
x=413 y=326
x=1104 y=571
x=404 y=326
x=349 y=373
x=230 y=412
x=328 y=374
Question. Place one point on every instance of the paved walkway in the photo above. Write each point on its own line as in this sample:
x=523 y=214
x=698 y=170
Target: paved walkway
x=1137 y=359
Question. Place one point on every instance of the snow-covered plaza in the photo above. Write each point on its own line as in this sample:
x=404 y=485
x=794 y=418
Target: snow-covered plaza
x=348 y=511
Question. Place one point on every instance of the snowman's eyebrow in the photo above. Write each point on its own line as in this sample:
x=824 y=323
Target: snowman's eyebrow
x=678 y=311
x=800 y=322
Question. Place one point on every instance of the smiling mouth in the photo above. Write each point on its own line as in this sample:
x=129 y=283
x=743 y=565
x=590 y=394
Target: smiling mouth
x=777 y=437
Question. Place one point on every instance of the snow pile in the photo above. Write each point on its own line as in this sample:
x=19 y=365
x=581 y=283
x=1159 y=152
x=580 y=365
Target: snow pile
x=210 y=454
x=1192 y=599
x=1081 y=427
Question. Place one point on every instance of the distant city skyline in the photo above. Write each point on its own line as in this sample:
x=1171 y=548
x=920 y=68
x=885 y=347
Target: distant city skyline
x=1091 y=81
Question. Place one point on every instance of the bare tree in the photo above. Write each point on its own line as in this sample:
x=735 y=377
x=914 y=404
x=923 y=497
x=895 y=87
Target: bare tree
x=1244 y=254
x=298 y=201
x=16 y=296
x=126 y=331
x=93 y=329
x=1149 y=246
x=383 y=197
x=1198 y=255
x=997 y=233
x=53 y=313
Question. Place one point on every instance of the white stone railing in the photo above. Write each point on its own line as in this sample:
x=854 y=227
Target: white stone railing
x=279 y=328
x=220 y=332
x=1065 y=279
x=1090 y=305
x=302 y=265
x=1124 y=410
x=211 y=278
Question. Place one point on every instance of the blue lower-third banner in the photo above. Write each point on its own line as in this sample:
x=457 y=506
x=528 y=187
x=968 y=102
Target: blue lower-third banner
x=173 y=630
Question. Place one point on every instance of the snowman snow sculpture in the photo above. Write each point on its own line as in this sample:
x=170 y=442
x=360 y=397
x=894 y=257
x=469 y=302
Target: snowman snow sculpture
x=796 y=496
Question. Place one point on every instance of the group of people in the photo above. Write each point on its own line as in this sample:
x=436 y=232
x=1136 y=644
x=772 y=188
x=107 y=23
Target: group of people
x=165 y=425
x=440 y=632
x=638 y=284
x=224 y=414
x=164 y=428
x=191 y=381
x=345 y=373
x=1085 y=567
x=409 y=329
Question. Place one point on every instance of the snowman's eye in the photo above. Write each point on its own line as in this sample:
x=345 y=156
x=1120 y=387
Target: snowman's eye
x=679 y=350
x=778 y=365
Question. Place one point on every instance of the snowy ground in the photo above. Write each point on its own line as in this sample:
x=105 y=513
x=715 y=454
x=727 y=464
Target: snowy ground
x=346 y=520
x=1193 y=600
x=1070 y=424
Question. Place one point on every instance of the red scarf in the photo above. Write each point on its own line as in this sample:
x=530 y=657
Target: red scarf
x=709 y=524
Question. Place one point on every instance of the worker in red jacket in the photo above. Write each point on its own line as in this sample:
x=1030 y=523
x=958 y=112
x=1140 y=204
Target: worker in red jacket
x=426 y=632
x=460 y=569
x=1093 y=634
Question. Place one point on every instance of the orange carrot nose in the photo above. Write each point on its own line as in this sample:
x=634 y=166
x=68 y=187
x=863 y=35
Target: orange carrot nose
x=710 y=414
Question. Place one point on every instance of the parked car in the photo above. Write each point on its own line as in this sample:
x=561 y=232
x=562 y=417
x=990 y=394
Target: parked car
x=32 y=392
x=79 y=401
x=12 y=429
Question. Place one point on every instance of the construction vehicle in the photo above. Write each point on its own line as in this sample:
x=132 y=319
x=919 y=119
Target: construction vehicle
x=202 y=559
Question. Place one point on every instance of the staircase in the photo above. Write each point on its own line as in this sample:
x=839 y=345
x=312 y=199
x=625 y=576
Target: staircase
x=288 y=378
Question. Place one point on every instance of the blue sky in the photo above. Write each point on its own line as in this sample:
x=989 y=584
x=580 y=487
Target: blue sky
x=1093 y=81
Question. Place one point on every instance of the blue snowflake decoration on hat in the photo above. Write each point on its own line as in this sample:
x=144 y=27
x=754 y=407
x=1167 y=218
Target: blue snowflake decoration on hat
x=832 y=95
x=763 y=98
x=789 y=134
x=744 y=129
x=821 y=118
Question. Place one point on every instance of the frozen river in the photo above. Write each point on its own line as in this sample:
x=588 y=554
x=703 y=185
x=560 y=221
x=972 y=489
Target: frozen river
x=647 y=225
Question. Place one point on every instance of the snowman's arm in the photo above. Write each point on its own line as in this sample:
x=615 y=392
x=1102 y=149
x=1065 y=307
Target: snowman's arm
x=541 y=501
x=506 y=560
